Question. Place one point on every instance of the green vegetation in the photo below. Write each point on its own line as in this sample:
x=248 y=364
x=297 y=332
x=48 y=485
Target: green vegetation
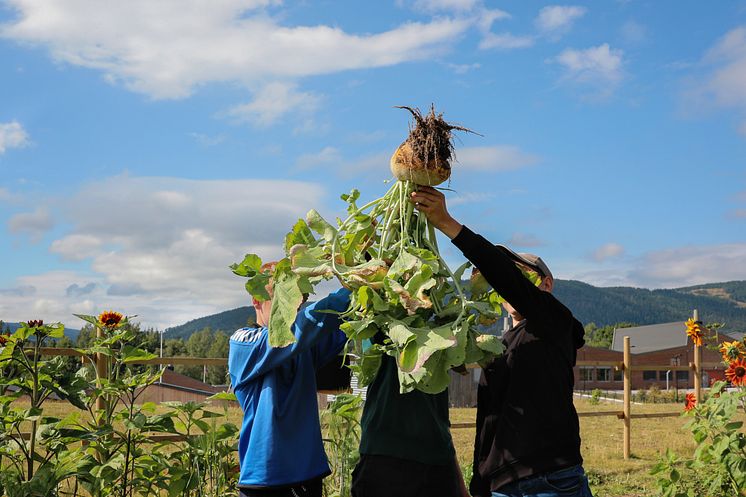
x=602 y=337
x=718 y=465
x=226 y=321
x=386 y=253
x=100 y=443
x=717 y=302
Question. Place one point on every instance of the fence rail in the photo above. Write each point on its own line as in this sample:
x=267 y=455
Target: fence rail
x=625 y=366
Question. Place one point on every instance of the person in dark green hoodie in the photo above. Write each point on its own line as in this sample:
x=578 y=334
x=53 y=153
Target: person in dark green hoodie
x=528 y=437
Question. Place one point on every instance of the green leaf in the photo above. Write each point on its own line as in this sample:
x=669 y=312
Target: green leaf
x=370 y=362
x=257 y=286
x=299 y=234
x=490 y=343
x=309 y=261
x=132 y=354
x=320 y=226
x=229 y=396
x=286 y=300
x=250 y=266
x=406 y=262
x=88 y=319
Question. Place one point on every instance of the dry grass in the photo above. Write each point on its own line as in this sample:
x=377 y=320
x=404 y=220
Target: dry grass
x=609 y=474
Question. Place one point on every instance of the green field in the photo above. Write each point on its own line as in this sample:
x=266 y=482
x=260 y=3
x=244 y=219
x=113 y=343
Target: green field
x=610 y=475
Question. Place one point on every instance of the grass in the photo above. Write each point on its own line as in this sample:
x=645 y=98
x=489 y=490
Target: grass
x=609 y=474
x=601 y=446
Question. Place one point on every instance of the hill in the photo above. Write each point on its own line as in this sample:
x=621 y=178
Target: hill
x=716 y=302
x=226 y=321
x=71 y=333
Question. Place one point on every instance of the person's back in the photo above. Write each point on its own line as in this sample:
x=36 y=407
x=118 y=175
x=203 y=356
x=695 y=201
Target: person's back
x=405 y=447
x=528 y=439
x=280 y=445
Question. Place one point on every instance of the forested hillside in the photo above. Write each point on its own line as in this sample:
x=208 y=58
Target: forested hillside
x=716 y=302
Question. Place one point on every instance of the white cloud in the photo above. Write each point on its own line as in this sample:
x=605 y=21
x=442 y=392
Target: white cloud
x=207 y=140
x=524 y=240
x=608 y=251
x=461 y=198
x=692 y=265
x=446 y=5
x=77 y=247
x=76 y=290
x=8 y=196
x=556 y=20
x=633 y=32
x=725 y=83
x=34 y=224
x=599 y=67
x=464 y=68
x=487 y=17
x=670 y=268
x=367 y=168
x=12 y=135
x=274 y=101
x=328 y=156
x=494 y=158
x=19 y=291
x=728 y=82
x=505 y=41
x=166 y=49
x=160 y=248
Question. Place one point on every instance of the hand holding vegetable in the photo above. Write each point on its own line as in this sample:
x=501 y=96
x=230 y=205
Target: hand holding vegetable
x=386 y=252
x=432 y=203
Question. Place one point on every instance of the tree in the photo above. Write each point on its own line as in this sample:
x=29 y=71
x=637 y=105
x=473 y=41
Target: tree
x=217 y=375
x=602 y=337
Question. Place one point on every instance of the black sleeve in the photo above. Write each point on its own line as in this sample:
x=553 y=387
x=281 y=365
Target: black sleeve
x=504 y=276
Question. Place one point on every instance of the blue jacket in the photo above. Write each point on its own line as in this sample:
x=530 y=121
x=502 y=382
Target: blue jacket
x=280 y=439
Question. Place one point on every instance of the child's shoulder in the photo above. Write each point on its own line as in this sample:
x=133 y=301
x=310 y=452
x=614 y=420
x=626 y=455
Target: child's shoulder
x=247 y=335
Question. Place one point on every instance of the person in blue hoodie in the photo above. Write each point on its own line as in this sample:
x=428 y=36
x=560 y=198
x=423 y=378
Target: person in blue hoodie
x=280 y=448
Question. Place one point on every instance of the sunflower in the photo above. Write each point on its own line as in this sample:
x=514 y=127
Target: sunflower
x=690 y=401
x=109 y=319
x=732 y=350
x=694 y=331
x=736 y=372
x=35 y=323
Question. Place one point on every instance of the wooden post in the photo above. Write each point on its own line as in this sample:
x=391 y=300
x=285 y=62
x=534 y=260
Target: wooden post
x=102 y=371
x=627 y=396
x=697 y=365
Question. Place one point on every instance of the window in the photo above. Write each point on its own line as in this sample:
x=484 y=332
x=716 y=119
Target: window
x=603 y=374
x=618 y=375
x=586 y=374
x=682 y=375
x=650 y=375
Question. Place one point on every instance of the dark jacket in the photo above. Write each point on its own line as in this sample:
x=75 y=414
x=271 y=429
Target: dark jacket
x=526 y=420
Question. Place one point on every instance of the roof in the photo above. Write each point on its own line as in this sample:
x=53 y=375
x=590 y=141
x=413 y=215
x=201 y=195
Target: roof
x=171 y=379
x=649 y=338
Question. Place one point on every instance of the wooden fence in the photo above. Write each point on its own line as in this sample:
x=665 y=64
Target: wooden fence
x=626 y=415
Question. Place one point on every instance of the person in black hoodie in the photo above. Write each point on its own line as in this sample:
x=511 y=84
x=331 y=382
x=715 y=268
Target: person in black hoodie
x=528 y=436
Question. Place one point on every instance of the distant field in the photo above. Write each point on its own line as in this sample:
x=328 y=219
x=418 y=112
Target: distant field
x=610 y=475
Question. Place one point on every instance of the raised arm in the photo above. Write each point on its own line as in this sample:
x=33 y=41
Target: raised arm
x=493 y=262
x=252 y=356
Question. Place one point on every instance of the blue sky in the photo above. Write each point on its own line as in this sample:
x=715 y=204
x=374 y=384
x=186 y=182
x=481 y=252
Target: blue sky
x=146 y=145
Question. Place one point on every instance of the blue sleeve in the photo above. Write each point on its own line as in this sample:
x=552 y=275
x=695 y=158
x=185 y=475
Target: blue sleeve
x=253 y=357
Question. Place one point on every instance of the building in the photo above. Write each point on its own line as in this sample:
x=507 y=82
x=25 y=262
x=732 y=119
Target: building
x=178 y=387
x=655 y=345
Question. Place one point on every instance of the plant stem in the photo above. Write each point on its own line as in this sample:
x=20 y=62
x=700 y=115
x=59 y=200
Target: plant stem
x=341 y=228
